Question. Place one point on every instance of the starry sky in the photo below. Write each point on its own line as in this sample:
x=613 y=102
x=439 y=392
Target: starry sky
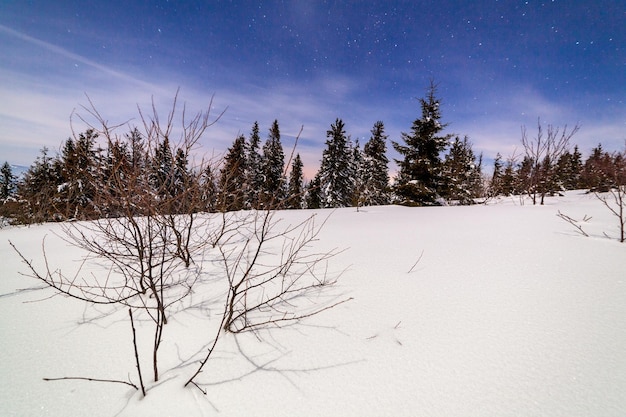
x=499 y=64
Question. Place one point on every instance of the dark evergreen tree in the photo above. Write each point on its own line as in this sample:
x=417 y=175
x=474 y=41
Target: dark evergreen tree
x=313 y=195
x=80 y=174
x=38 y=189
x=209 y=196
x=523 y=179
x=357 y=172
x=273 y=169
x=509 y=178
x=596 y=172
x=420 y=179
x=254 y=167
x=118 y=175
x=163 y=170
x=461 y=173
x=568 y=170
x=295 y=192
x=8 y=182
x=232 y=179
x=376 y=170
x=336 y=180
x=137 y=149
x=495 y=185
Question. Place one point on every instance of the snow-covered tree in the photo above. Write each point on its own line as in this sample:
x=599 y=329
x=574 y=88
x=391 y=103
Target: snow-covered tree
x=295 y=193
x=420 y=178
x=462 y=176
x=232 y=181
x=495 y=184
x=38 y=189
x=375 y=168
x=273 y=168
x=254 y=166
x=336 y=178
x=8 y=182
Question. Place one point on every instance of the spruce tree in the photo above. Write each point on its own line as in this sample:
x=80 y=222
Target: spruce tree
x=7 y=182
x=376 y=170
x=335 y=173
x=461 y=173
x=273 y=169
x=313 y=194
x=295 y=189
x=232 y=179
x=495 y=185
x=254 y=165
x=357 y=172
x=79 y=173
x=209 y=191
x=420 y=179
x=163 y=169
x=38 y=188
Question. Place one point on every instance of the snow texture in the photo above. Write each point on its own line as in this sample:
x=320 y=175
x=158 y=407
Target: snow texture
x=499 y=310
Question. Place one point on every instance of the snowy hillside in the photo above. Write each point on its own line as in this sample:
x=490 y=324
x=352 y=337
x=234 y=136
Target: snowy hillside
x=498 y=310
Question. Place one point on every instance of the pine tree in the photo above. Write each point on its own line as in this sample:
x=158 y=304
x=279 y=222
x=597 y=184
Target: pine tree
x=8 y=182
x=508 y=178
x=273 y=169
x=232 y=179
x=38 y=188
x=523 y=181
x=357 y=172
x=460 y=173
x=313 y=195
x=495 y=185
x=254 y=165
x=295 y=189
x=596 y=172
x=420 y=179
x=162 y=169
x=335 y=173
x=209 y=191
x=375 y=170
x=79 y=170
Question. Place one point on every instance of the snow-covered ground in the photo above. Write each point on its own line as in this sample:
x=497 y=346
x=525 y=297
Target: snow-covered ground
x=509 y=312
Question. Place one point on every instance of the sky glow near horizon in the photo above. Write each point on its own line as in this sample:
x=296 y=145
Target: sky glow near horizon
x=498 y=64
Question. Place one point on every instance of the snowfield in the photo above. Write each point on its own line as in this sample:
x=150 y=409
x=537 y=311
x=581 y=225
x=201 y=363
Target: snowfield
x=498 y=310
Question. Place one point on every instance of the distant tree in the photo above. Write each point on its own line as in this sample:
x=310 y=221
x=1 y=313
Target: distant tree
x=8 y=182
x=461 y=173
x=376 y=170
x=38 y=189
x=295 y=193
x=313 y=195
x=597 y=170
x=495 y=185
x=162 y=176
x=568 y=170
x=420 y=179
x=232 y=181
x=336 y=180
x=79 y=171
x=358 y=172
x=254 y=166
x=273 y=168
x=509 y=177
x=209 y=190
x=523 y=181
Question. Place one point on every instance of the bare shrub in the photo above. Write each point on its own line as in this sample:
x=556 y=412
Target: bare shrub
x=543 y=152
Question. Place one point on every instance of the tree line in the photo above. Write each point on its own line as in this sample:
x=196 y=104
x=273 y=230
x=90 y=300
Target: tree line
x=434 y=169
